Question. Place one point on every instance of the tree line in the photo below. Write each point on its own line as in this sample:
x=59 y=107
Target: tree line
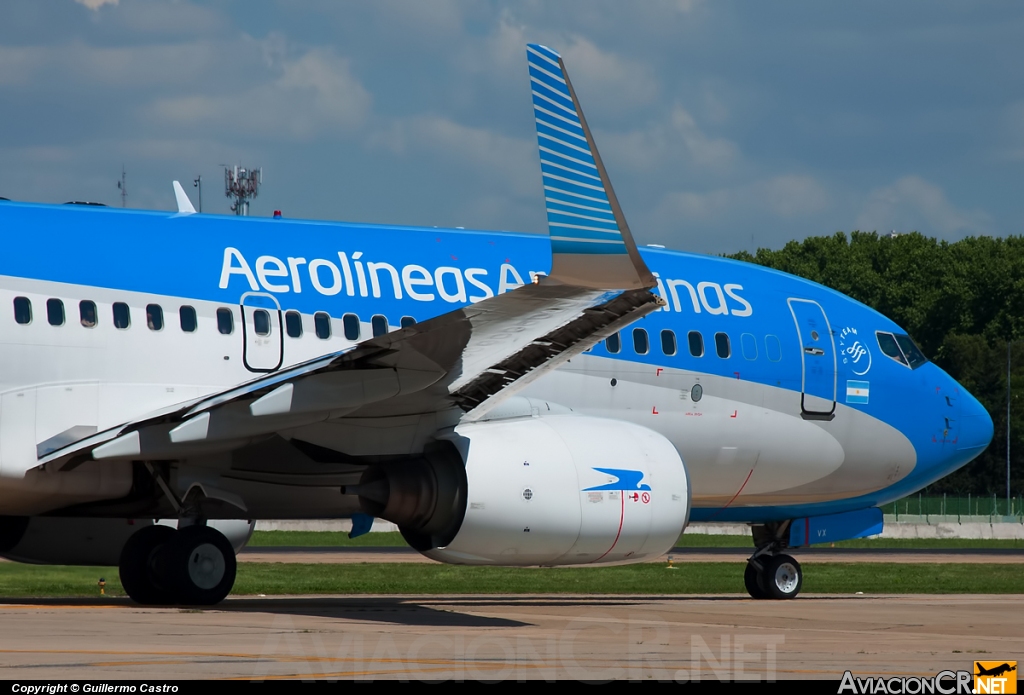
x=962 y=302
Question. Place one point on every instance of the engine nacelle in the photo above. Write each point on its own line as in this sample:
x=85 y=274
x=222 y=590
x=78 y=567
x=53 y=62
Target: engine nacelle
x=553 y=490
x=57 y=540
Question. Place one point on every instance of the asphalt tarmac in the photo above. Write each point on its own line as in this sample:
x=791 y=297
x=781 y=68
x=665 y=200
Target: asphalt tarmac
x=503 y=637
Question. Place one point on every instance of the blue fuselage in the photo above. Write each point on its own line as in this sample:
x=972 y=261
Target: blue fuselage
x=738 y=366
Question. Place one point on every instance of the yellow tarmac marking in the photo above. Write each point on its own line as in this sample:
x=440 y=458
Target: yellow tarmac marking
x=118 y=652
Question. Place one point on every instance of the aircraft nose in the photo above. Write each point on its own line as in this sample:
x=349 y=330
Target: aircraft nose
x=975 y=425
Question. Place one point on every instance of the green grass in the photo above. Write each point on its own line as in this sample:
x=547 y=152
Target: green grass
x=265 y=539
x=694 y=540
x=934 y=543
x=700 y=540
x=24 y=581
x=330 y=539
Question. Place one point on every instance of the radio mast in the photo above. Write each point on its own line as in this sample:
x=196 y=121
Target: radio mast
x=242 y=185
x=123 y=187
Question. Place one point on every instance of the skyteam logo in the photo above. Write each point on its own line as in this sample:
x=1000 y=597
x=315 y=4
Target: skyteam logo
x=855 y=354
x=625 y=479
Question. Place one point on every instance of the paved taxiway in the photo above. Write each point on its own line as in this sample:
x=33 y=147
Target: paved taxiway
x=679 y=555
x=501 y=637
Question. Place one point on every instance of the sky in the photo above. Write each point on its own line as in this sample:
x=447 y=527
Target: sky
x=724 y=126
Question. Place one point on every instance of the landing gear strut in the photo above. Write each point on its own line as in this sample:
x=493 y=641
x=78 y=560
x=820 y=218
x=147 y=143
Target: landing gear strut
x=192 y=566
x=771 y=574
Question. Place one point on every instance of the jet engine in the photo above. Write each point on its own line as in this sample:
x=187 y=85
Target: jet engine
x=553 y=490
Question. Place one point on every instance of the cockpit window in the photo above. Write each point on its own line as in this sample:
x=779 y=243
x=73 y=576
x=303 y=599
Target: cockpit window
x=901 y=348
x=887 y=342
x=913 y=353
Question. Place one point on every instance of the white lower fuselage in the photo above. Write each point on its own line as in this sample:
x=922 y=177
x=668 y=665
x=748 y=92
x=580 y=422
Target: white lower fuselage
x=743 y=443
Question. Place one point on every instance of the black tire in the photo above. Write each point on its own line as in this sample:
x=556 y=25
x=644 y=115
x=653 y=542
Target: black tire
x=143 y=566
x=203 y=566
x=782 y=577
x=751 y=581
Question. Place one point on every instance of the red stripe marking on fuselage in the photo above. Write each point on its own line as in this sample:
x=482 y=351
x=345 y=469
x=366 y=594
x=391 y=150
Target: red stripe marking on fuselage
x=622 y=513
x=733 y=499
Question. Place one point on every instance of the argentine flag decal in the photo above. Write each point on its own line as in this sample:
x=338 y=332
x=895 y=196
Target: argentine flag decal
x=857 y=392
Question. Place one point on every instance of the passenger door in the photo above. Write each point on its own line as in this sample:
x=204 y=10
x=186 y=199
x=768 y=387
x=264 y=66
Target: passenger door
x=818 y=359
x=262 y=334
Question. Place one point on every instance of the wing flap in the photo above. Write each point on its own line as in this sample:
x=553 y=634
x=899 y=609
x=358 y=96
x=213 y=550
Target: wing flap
x=471 y=358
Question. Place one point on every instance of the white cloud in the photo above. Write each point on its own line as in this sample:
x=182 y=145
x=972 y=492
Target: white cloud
x=913 y=204
x=96 y=4
x=314 y=95
x=785 y=197
x=675 y=142
x=686 y=5
x=1012 y=133
x=617 y=83
x=509 y=160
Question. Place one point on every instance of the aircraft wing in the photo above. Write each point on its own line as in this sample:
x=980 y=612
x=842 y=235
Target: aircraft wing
x=471 y=358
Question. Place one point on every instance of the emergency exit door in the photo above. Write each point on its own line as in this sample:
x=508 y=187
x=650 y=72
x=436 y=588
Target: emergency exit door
x=262 y=337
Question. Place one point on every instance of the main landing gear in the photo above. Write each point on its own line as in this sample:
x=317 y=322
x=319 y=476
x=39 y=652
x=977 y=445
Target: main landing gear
x=194 y=565
x=771 y=574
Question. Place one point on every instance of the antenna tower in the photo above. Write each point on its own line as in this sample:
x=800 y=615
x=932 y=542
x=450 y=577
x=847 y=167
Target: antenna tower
x=123 y=187
x=241 y=185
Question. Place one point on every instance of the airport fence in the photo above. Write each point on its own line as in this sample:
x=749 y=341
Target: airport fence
x=962 y=508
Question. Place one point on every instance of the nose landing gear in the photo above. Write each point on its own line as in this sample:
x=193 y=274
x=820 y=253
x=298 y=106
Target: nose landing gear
x=770 y=573
x=193 y=566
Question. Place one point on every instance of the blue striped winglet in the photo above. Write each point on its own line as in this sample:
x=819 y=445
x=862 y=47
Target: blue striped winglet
x=584 y=217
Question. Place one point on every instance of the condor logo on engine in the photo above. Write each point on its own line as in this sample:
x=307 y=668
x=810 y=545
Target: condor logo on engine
x=625 y=479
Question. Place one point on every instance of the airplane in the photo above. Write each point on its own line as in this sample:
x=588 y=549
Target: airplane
x=995 y=670
x=505 y=399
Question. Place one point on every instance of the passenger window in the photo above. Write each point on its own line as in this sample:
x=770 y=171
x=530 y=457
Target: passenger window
x=722 y=346
x=187 y=317
x=379 y=324
x=293 y=324
x=122 y=315
x=748 y=343
x=261 y=322
x=154 y=317
x=55 y=312
x=613 y=343
x=225 y=321
x=22 y=310
x=668 y=343
x=696 y=341
x=640 y=343
x=351 y=324
x=408 y=321
x=322 y=324
x=887 y=343
x=87 y=313
x=772 y=348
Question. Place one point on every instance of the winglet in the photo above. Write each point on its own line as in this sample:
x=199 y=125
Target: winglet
x=184 y=204
x=591 y=245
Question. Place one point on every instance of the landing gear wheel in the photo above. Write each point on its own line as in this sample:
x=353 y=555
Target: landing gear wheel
x=782 y=577
x=144 y=567
x=752 y=582
x=203 y=566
